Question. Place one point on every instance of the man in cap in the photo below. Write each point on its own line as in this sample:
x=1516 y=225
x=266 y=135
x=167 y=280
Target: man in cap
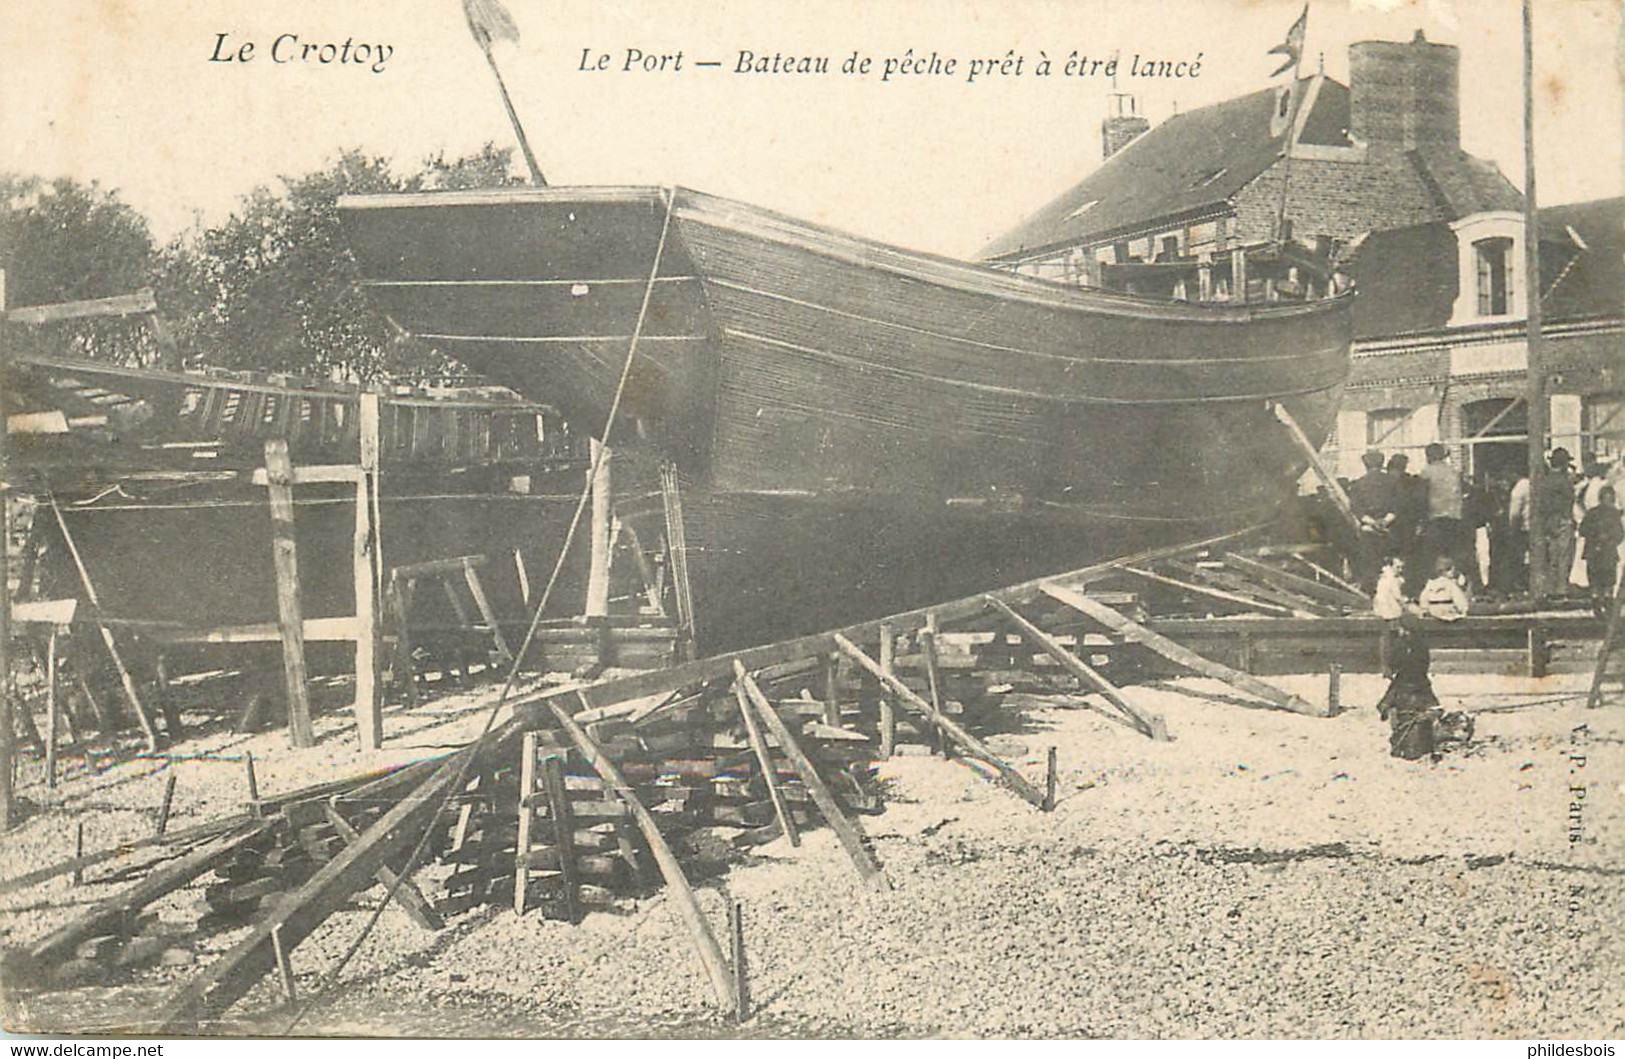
x=1372 y=498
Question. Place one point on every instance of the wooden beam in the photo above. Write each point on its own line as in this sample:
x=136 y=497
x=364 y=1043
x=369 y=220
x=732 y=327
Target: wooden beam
x=564 y=831
x=1133 y=632
x=235 y=972
x=125 y=679
x=1286 y=581
x=108 y=915
x=51 y=706
x=1334 y=488
x=413 y=903
x=933 y=675
x=1296 y=606
x=705 y=942
x=754 y=658
x=290 y=612
x=471 y=577
x=436 y=567
x=1147 y=722
x=972 y=745
x=845 y=830
x=1228 y=597
x=527 y=818
x=764 y=758
x=142 y=301
x=315 y=474
x=323 y=630
x=1353 y=590
x=369 y=716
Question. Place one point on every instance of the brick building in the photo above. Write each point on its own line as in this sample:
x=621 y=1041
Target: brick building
x=1378 y=187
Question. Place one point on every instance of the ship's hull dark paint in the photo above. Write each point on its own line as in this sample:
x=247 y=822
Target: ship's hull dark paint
x=861 y=428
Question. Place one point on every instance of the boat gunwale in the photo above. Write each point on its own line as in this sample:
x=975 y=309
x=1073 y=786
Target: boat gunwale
x=839 y=245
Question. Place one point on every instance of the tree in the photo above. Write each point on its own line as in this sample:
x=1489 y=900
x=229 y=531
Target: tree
x=275 y=288
x=65 y=241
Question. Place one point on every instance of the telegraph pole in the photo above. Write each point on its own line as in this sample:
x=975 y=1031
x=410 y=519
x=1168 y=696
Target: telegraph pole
x=1536 y=370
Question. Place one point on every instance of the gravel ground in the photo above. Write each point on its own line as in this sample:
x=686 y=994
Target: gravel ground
x=1262 y=875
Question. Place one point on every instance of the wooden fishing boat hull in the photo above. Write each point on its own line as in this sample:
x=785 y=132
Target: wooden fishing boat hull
x=936 y=423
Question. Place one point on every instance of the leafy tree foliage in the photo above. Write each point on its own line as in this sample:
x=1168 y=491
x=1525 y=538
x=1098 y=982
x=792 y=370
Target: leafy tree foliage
x=66 y=241
x=275 y=288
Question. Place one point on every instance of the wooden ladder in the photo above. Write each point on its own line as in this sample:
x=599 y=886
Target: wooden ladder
x=572 y=837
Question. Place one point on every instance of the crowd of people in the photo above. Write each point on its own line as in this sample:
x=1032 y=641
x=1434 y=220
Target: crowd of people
x=1418 y=554
x=1436 y=514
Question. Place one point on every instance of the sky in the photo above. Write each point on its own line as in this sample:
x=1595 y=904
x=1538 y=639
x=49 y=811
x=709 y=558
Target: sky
x=124 y=92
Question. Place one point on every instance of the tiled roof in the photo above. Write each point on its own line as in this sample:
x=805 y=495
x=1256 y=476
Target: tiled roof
x=1406 y=277
x=1192 y=160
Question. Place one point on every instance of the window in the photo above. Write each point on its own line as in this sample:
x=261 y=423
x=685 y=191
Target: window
x=1494 y=276
x=1170 y=248
x=1602 y=422
x=1388 y=429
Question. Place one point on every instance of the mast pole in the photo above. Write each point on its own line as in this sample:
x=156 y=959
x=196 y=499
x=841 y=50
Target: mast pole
x=535 y=168
x=1535 y=402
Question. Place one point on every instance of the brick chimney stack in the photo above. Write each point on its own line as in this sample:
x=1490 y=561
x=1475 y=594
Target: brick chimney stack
x=1405 y=95
x=1123 y=123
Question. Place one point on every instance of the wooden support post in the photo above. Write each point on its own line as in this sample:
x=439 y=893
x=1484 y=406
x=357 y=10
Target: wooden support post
x=845 y=831
x=1147 y=722
x=527 y=816
x=933 y=677
x=284 y=968
x=972 y=745
x=253 y=783
x=671 y=496
x=564 y=830
x=597 y=604
x=705 y=942
x=888 y=709
x=1334 y=689
x=736 y=932
x=1050 y=779
x=290 y=612
x=369 y=718
x=78 y=853
x=1536 y=650
x=1334 y=488
x=413 y=903
x=829 y=671
x=167 y=707
x=51 y=707
x=1133 y=632
x=128 y=682
x=398 y=599
x=168 y=803
x=764 y=758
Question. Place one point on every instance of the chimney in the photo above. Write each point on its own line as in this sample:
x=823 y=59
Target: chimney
x=1405 y=95
x=1123 y=123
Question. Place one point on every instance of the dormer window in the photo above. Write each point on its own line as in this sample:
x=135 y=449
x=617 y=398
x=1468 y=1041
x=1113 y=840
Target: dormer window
x=1487 y=290
x=1494 y=259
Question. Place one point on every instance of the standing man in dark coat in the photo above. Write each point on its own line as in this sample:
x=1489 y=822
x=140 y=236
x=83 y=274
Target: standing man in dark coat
x=1372 y=498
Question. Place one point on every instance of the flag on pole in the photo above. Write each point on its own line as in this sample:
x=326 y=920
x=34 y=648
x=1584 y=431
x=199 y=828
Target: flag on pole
x=490 y=22
x=1292 y=47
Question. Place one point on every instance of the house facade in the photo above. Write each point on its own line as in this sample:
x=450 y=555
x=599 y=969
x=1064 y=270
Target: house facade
x=1207 y=205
